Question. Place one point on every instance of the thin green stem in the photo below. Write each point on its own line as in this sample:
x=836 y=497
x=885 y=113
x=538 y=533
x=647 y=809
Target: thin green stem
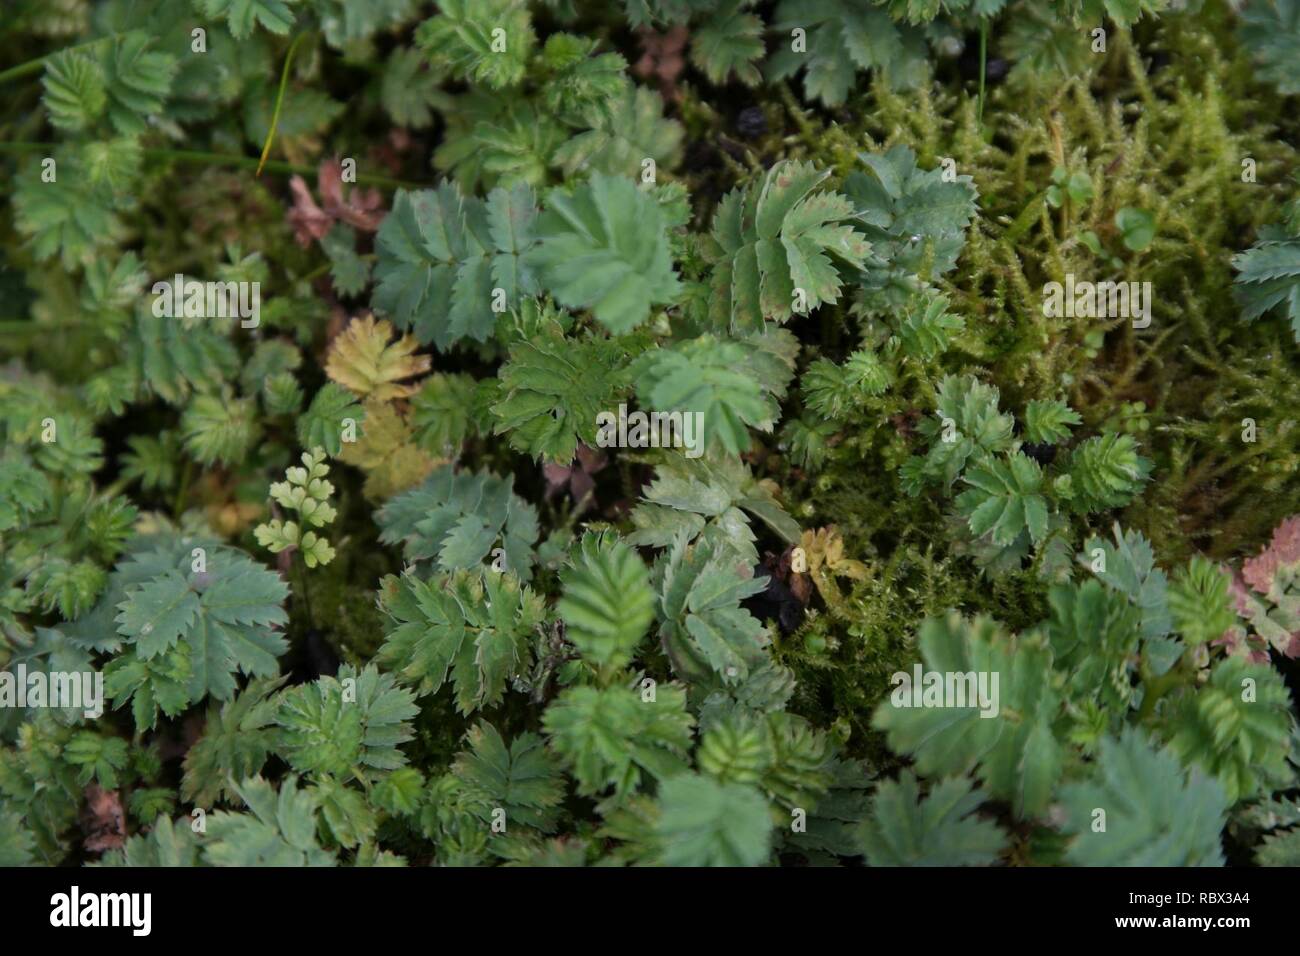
x=23 y=69
x=184 y=488
x=984 y=43
x=226 y=159
x=279 y=101
x=36 y=65
x=1154 y=688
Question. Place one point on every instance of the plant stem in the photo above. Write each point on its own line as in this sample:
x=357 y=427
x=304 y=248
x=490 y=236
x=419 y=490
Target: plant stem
x=1155 y=688
x=279 y=101
x=227 y=159
x=306 y=590
x=184 y=488
x=36 y=65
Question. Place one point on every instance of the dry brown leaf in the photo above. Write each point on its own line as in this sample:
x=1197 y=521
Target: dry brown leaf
x=102 y=820
x=362 y=208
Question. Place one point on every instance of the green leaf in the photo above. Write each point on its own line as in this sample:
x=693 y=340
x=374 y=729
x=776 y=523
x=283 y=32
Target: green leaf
x=446 y=262
x=459 y=518
x=580 y=83
x=442 y=413
x=707 y=635
x=1013 y=752
x=220 y=429
x=174 y=362
x=1094 y=632
x=407 y=92
x=1155 y=813
x=1005 y=499
x=1105 y=472
x=689 y=495
x=1129 y=566
x=706 y=823
x=771 y=246
x=137 y=80
x=473 y=629
x=522 y=779
x=553 y=388
x=615 y=736
x=167 y=844
x=1268 y=278
x=607 y=603
x=71 y=588
x=75 y=96
x=400 y=792
x=915 y=220
x=1199 y=602
x=938 y=829
x=237 y=738
x=223 y=619
x=348 y=271
x=346 y=815
x=1280 y=849
x=1270 y=31
x=99 y=757
x=1237 y=727
x=483 y=41
x=603 y=248
x=159 y=613
x=326 y=419
x=927 y=331
x=625 y=132
x=967 y=425
x=278 y=830
x=346 y=22
x=706 y=378
x=1049 y=421
x=69 y=218
x=24 y=492
x=1137 y=228
x=843 y=37
x=242 y=15
x=159 y=684
x=728 y=42
x=340 y=724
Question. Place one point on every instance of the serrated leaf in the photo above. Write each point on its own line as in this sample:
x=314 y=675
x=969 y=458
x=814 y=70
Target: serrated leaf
x=473 y=629
x=938 y=829
x=955 y=739
x=607 y=603
x=442 y=257
x=603 y=248
x=1155 y=813
x=616 y=736
x=363 y=359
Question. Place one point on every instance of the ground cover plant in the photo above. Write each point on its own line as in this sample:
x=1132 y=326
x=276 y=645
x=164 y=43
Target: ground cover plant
x=649 y=432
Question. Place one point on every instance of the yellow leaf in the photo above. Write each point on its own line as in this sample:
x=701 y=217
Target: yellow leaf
x=387 y=453
x=824 y=551
x=362 y=359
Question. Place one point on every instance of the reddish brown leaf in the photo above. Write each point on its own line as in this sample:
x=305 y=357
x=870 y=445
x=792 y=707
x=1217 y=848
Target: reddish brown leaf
x=102 y=820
